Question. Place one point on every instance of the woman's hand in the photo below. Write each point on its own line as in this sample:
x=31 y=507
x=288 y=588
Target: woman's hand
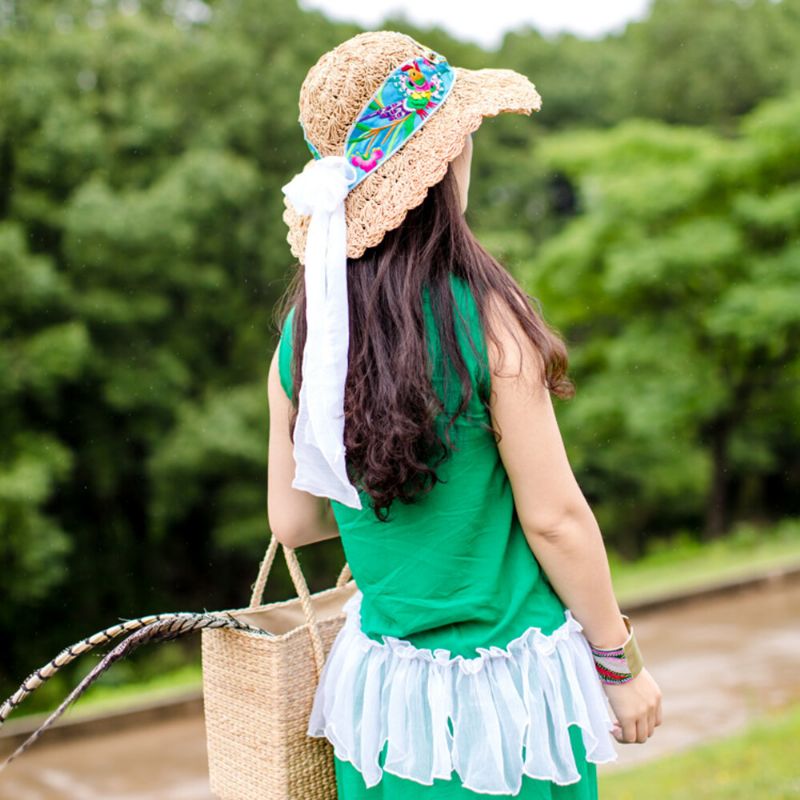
x=637 y=706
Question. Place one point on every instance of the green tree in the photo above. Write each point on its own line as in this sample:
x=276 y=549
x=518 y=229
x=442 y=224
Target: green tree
x=696 y=62
x=675 y=285
x=142 y=253
x=700 y=61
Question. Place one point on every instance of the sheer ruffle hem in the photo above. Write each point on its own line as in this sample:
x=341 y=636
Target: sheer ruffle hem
x=492 y=718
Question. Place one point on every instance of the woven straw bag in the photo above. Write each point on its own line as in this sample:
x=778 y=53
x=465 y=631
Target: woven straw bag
x=258 y=691
x=261 y=667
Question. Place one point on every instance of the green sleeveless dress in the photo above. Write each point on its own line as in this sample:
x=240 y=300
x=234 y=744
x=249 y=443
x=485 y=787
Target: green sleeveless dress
x=459 y=672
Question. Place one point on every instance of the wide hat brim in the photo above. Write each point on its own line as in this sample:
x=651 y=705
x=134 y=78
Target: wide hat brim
x=381 y=201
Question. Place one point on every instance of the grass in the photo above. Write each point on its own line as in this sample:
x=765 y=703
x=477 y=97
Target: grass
x=759 y=763
x=683 y=562
x=101 y=697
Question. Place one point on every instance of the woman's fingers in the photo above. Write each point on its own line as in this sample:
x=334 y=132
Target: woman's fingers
x=651 y=723
x=642 y=729
x=630 y=730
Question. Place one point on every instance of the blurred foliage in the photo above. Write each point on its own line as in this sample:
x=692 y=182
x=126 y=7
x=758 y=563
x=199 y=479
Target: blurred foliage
x=683 y=562
x=675 y=285
x=652 y=205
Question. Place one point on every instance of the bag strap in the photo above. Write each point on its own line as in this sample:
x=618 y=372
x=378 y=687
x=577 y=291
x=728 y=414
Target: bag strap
x=257 y=596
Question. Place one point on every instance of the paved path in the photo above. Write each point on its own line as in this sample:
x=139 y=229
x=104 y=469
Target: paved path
x=720 y=661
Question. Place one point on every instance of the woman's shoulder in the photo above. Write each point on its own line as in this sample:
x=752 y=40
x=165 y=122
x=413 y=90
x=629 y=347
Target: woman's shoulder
x=510 y=351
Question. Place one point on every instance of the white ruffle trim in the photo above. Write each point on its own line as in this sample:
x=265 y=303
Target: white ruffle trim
x=526 y=694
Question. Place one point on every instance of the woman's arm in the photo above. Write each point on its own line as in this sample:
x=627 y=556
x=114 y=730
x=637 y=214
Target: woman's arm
x=555 y=516
x=295 y=517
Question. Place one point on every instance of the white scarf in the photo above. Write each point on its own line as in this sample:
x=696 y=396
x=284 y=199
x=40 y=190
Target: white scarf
x=319 y=452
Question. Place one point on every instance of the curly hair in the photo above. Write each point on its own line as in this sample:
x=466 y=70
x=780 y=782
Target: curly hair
x=393 y=435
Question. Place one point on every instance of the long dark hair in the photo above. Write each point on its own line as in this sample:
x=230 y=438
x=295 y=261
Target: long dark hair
x=391 y=435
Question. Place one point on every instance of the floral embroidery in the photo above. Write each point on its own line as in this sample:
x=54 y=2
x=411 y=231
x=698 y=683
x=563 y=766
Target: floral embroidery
x=367 y=164
x=401 y=105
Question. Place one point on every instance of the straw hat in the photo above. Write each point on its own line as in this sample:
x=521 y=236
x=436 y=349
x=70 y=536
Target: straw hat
x=383 y=116
x=340 y=85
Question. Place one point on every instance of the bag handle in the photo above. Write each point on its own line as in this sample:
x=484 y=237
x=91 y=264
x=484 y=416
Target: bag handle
x=257 y=597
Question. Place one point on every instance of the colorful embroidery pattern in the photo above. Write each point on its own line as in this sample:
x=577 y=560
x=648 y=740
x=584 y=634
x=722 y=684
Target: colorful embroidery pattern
x=409 y=95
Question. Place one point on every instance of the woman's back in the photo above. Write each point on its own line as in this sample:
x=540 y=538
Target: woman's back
x=450 y=584
x=453 y=569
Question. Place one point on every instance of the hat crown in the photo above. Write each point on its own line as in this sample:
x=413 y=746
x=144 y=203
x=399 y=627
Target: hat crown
x=343 y=80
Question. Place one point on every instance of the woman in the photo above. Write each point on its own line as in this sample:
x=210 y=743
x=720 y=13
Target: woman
x=484 y=644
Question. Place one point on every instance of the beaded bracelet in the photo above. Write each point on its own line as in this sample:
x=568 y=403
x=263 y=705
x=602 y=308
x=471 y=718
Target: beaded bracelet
x=619 y=664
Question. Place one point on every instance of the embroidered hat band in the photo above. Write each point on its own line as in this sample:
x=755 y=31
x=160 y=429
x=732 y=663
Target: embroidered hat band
x=406 y=99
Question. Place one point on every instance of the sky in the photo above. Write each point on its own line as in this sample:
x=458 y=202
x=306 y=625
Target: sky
x=486 y=23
